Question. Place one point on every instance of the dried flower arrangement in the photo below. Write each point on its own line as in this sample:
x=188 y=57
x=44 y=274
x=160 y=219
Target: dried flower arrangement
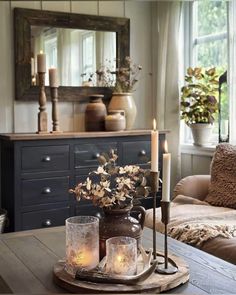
x=117 y=186
x=122 y=79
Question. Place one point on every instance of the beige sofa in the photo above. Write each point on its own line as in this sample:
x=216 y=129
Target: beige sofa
x=196 y=188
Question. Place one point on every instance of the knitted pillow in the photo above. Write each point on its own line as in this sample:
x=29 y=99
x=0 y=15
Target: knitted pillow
x=222 y=190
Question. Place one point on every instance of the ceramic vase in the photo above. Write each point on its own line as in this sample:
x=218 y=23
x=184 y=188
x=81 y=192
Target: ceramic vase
x=119 y=222
x=201 y=133
x=95 y=114
x=124 y=101
x=115 y=120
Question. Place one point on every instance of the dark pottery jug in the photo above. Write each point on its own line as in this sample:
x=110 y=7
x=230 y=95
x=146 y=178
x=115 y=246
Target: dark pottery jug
x=95 y=114
x=118 y=222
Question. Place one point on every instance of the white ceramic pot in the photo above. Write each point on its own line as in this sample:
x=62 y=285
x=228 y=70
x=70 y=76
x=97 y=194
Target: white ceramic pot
x=201 y=133
x=124 y=101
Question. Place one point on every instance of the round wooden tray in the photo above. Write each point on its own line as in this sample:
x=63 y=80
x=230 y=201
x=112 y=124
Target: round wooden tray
x=155 y=283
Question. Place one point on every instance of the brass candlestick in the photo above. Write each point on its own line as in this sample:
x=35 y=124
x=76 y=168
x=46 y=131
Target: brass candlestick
x=55 y=121
x=154 y=188
x=42 y=114
x=167 y=268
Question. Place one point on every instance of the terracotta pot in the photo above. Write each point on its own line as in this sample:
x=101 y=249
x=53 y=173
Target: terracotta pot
x=95 y=114
x=124 y=101
x=118 y=222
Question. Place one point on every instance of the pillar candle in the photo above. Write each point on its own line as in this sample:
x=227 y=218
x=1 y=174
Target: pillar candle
x=166 y=175
x=154 y=148
x=53 y=81
x=41 y=62
x=32 y=67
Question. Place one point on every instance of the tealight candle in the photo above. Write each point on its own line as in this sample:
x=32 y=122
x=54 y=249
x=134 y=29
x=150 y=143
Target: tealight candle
x=82 y=243
x=121 y=255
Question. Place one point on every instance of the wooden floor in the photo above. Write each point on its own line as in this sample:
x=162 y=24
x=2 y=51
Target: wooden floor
x=27 y=259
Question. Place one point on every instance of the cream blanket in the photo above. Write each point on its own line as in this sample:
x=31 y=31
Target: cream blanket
x=194 y=222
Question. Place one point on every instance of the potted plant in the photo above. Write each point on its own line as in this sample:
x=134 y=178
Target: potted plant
x=122 y=81
x=114 y=189
x=199 y=102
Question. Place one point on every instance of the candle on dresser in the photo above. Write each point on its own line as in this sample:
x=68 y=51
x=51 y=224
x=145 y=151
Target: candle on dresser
x=166 y=175
x=154 y=147
x=53 y=81
x=41 y=62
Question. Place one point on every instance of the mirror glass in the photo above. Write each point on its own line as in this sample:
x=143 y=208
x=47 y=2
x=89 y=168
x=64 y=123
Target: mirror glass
x=76 y=53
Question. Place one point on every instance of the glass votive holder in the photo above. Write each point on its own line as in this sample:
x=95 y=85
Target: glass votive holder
x=121 y=255
x=82 y=243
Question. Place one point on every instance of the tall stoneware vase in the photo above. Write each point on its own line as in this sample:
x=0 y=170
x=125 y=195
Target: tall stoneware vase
x=124 y=101
x=119 y=222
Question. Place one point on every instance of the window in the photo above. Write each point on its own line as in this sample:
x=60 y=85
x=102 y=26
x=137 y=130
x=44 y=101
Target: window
x=205 y=26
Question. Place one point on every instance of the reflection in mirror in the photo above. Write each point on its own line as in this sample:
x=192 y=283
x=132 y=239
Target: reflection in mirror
x=75 y=53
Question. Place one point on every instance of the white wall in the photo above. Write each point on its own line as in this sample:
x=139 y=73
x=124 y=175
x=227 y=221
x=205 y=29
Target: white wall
x=22 y=116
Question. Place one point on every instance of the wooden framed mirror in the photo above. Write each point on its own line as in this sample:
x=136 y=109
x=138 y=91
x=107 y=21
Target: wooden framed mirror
x=29 y=25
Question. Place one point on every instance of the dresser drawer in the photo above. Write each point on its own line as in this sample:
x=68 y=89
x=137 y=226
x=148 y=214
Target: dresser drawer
x=86 y=155
x=45 y=218
x=47 y=190
x=45 y=158
x=138 y=152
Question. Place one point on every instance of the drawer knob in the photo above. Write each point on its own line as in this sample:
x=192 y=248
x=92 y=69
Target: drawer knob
x=47 y=223
x=47 y=159
x=143 y=153
x=46 y=190
x=97 y=155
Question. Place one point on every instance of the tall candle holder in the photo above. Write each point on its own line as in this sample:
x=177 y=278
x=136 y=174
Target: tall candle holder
x=154 y=188
x=42 y=114
x=55 y=121
x=166 y=268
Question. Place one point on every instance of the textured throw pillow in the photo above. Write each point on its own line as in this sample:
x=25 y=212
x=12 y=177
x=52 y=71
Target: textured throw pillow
x=222 y=191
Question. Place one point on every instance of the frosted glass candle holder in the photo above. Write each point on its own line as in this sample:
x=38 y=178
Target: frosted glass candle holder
x=82 y=243
x=121 y=255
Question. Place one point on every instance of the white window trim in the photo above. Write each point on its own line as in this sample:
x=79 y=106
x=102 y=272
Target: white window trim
x=189 y=57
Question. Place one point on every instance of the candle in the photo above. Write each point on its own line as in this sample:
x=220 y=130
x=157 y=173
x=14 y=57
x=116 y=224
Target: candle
x=53 y=81
x=32 y=67
x=166 y=175
x=83 y=259
x=82 y=243
x=154 y=148
x=41 y=62
x=121 y=255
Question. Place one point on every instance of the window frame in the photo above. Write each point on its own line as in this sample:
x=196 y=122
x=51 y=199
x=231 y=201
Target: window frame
x=190 y=56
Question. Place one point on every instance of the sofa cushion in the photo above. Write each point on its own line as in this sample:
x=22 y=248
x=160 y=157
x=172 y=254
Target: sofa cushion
x=222 y=190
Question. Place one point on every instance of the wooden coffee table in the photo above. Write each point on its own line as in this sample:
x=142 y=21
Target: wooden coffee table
x=27 y=259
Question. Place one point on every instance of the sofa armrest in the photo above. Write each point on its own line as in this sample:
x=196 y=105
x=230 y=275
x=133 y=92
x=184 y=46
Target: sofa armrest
x=195 y=186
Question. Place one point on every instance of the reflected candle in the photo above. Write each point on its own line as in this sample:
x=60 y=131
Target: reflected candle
x=41 y=62
x=53 y=81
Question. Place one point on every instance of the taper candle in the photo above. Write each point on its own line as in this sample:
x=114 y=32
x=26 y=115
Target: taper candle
x=166 y=175
x=53 y=81
x=154 y=149
x=41 y=62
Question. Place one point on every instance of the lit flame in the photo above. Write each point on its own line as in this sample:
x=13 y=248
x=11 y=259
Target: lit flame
x=41 y=52
x=166 y=147
x=154 y=125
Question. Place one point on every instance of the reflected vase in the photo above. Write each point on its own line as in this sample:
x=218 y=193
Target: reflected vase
x=124 y=101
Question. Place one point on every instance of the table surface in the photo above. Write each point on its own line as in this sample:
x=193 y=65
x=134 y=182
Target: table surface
x=27 y=259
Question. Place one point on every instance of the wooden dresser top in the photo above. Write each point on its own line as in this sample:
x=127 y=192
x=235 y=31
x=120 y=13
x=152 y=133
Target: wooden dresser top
x=67 y=135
